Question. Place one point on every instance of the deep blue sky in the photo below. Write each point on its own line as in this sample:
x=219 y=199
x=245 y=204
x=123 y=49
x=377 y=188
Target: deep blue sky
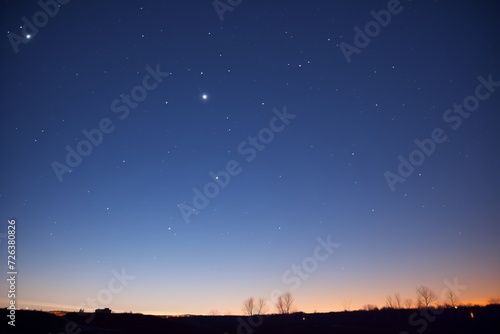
x=322 y=175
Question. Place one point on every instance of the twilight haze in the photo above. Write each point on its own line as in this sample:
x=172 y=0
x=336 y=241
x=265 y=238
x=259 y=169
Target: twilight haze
x=172 y=157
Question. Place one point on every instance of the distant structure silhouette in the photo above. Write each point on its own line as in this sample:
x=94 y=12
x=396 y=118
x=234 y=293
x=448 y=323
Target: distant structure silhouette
x=102 y=310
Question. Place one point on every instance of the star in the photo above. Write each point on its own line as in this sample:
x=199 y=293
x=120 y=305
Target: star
x=204 y=96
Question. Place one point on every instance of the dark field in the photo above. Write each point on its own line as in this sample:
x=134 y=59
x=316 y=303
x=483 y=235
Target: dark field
x=463 y=320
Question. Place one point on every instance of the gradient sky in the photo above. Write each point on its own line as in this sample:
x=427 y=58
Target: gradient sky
x=321 y=175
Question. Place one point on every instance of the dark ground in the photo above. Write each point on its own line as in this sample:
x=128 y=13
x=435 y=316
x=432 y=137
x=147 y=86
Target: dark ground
x=485 y=320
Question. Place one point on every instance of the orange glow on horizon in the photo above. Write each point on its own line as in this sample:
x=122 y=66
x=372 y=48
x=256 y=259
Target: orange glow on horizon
x=61 y=310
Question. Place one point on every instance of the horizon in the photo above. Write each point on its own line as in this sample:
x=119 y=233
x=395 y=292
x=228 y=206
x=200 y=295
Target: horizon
x=465 y=304
x=68 y=308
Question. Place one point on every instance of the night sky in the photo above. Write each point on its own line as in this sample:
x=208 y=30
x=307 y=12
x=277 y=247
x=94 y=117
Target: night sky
x=205 y=153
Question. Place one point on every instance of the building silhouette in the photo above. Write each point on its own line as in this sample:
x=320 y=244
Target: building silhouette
x=102 y=310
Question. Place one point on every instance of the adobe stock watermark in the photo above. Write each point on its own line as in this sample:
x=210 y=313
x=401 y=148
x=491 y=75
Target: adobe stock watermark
x=371 y=30
x=249 y=149
x=121 y=106
x=423 y=316
x=294 y=278
x=453 y=118
x=222 y=6
x=116 y=284
x=50 y=8
x=299 y=273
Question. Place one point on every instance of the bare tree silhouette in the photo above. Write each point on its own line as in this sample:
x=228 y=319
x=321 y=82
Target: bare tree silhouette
x=494 y=301
x=408 y=302
x=252 y=307
x=248 y=306
x=397 y=300
x=370 y=307
x=284 y=303
x=260 y=307
x=425 y=296
x=451 y=299
x=346 y=304
x=389 y=302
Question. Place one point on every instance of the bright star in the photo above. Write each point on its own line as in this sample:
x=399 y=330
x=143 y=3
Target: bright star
x=204 y=96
